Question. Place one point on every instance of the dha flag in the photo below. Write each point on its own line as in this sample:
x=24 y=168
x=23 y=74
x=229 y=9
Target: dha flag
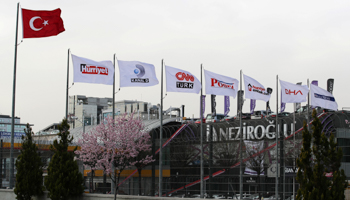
x=322 y=98
x=178 y=80
x=137 y=74
x=292 y=93
x=41 y=23
x=220 y=85
x=254 y=90
x=89 y=71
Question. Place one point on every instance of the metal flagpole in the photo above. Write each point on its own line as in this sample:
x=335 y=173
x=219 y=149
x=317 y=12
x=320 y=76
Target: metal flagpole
x=161 y=135
x=113 y=113
x=240 y=141
x=67 y=85
x=308 y=105
x=13 y=108
x=277 y=134
x=201 y=117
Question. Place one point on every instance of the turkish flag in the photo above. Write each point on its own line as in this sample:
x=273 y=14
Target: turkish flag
x=41 y=23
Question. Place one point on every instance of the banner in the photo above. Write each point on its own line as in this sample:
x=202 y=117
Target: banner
x=298 y=105
x=240 y=101
x=41 y=23
x=330 y=85
x=254 y=90
x=322 y=98
x=203 y=106
x=252 y=105
x=178 y=80
x=268 y=109
x=220 y=85
x=227 y=105
x=136 y=74
x=213 y=106
x=256 y=163
x=89 y=71
x=292 y=93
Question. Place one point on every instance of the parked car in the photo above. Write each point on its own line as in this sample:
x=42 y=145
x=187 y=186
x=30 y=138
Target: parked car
x=198 y=121
x=217 y=118
x=281 y=114
x=260 y=114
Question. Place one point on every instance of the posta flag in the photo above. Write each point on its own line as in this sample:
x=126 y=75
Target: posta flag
x=41 y=23
x=254 y=90
x=292 y=93
x=178 y=80
x=220 y=85
x=89 y=71
x=136 y=74
x=322 y=98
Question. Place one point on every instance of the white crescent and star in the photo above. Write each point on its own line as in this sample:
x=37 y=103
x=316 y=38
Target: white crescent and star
x=31 y=23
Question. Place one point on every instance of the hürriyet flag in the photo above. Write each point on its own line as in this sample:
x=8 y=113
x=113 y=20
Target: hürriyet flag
x=220 y=85
x=322 y=98
x=137 y=74
x=292 y=93
x=178 y=80
x=41 y=23
x=254 y=90
x=89 y=71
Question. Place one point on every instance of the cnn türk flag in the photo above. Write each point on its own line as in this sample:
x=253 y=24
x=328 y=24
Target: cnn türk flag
x=41 y=23
x=254 y=90
x=292 y=93
x=137 y=74
x=178 y=80
x=220 y=85
x=89 y=71
x=322 y=98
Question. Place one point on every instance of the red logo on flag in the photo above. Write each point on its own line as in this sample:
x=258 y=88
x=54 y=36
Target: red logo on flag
x=293 y=92
x=90 y=69
x=182 y=76
x=41 y=23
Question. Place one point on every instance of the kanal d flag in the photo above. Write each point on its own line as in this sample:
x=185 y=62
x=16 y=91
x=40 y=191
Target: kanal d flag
x=178 y=80
x=292 y=93
x=254 y=90
x=220 y=85
x=41 y=23
x=89 y=71
x=136 y=74
x=322 y=98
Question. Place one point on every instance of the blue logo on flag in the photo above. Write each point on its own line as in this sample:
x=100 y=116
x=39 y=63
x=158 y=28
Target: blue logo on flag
x=327 y=98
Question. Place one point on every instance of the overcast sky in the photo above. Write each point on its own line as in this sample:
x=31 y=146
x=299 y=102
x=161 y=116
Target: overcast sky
x=296 y=40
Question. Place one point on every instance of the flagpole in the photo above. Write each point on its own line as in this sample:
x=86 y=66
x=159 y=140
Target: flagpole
x=113 y=112
x=67 y=85
x=277 y=134
x=161 y=135
x=202 y=159
x=13 y=107
x=308 y=104
x=241 y=140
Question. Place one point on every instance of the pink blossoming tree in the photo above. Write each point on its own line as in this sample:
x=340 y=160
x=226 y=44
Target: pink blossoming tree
x=115 y=143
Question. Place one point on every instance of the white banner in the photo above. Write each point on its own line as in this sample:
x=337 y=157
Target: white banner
x=136 y=74
x=220 y=85
x=178 y=80
x=254 y=90
x=292 y=93
x=322 y=98
x=89 y=71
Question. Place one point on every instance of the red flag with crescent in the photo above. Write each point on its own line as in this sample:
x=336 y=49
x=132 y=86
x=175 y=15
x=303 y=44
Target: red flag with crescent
x=41 y=23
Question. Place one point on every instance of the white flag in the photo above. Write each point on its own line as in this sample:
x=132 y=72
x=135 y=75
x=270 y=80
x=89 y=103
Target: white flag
x=292 y=93
x=178 y=80
x=254 y=90
x=322 y=98
x=136 y=74
x=89 y=71
x=220 y=85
